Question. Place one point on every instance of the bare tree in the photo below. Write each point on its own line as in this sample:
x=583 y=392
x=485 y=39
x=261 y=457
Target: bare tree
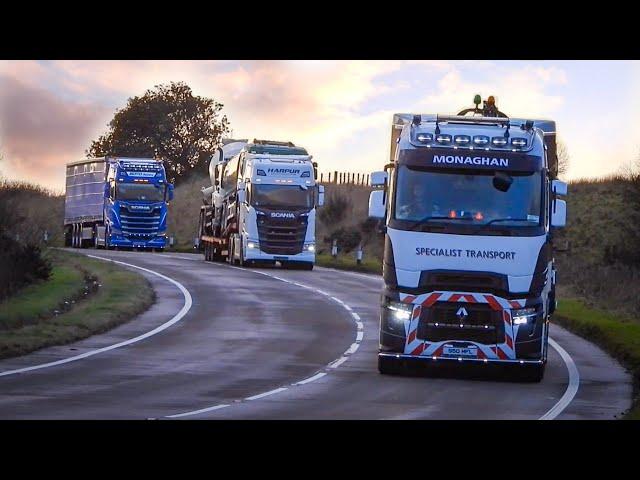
x=563 y=158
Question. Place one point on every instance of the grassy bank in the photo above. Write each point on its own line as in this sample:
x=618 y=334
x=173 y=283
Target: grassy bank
x=619 y=336
x=344 y=262
x=83 y=297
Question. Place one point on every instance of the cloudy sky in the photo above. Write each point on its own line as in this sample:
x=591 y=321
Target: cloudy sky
x=340 y=110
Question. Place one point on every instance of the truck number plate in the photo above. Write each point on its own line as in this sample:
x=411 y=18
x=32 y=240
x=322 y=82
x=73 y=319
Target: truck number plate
x=461 y=352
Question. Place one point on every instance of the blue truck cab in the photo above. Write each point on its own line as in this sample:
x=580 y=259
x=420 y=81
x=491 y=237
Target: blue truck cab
x=117 y=202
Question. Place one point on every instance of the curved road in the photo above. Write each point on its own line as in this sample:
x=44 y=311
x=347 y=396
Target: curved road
x=224 y=342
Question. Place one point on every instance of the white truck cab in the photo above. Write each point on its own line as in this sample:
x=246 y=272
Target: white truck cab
x=265 y=197
x=469 y=207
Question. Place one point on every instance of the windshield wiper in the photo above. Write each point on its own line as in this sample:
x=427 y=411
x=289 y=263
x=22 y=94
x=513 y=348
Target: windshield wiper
x=426 y=219
x=508 y=219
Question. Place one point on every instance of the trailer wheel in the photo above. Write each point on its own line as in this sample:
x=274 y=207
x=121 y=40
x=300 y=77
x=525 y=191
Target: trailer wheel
x=388 y=366
x=75 y=235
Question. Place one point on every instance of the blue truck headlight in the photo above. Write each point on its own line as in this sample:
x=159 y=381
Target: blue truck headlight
x=522 y=316
x=252 y=245
x=310 y=247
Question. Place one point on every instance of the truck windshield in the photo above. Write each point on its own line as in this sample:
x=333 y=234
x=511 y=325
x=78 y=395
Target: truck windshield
x=281 y=196
x=140 y=192
x=426 y=196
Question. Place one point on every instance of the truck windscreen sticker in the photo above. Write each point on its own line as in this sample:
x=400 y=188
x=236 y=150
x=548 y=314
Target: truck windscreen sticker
x=465 y=253
x=283 y=171
x=420 y=157
x=141 y=174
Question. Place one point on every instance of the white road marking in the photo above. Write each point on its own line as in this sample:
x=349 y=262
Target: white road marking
x=352 y=349
x=333 y=365
x=572 y=387
x=203 y=410
x=311 y=379
x=176 y=318
x=338 y=362
x=266 y=394
x=574 y=377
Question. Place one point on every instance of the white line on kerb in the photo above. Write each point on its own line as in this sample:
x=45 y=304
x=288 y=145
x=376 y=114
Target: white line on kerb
x=176 y=318
x=572 y=388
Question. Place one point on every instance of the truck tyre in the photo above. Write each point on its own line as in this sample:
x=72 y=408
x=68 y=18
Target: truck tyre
x=307 y=266
x=531 y=373
x=107 y=237
x=387 y=366
x=241 y=261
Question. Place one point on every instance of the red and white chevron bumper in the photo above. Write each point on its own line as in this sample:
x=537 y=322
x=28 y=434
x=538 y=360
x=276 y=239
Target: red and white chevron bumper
x=415 y=347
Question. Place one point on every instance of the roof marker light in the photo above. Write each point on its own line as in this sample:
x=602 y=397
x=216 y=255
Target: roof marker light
x=425 y=137
x=462 y=139
x=499 y=141
x=443 y=138
x=519 y=142
x=480 y=139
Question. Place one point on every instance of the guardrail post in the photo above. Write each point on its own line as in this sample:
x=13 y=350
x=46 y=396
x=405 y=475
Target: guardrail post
x=171 y=241
x=359 y=253
x=334 y=248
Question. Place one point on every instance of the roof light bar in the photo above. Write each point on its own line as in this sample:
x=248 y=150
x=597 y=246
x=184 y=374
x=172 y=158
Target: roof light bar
x=425 y=137
x=462 y=139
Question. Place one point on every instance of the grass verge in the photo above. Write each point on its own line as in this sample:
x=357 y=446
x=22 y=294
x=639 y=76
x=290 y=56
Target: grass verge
x=58 y=311
x=619 y=336
x=343 y=262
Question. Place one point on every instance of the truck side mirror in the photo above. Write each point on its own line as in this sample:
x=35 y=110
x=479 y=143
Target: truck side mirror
x=320 y=195
x=559 y=187
x=559 y=213
x=170 y=188
x=379 y=179
x=242 y=196
x=376 y=204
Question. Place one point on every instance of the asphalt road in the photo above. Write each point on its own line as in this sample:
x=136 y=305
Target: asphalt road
x=230 y=343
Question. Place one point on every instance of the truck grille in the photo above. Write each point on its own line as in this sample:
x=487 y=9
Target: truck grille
x=140 y=224
x=282 y=236
x=440 y=323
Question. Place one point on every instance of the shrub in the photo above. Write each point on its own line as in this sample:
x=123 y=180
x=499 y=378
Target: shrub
x=21 y=266
x=335 y=209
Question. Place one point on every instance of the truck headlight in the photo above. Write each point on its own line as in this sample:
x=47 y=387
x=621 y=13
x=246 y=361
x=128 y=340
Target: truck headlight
x=252 y=245
x=522 y=316
x=311 y=247
x=399 y=311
